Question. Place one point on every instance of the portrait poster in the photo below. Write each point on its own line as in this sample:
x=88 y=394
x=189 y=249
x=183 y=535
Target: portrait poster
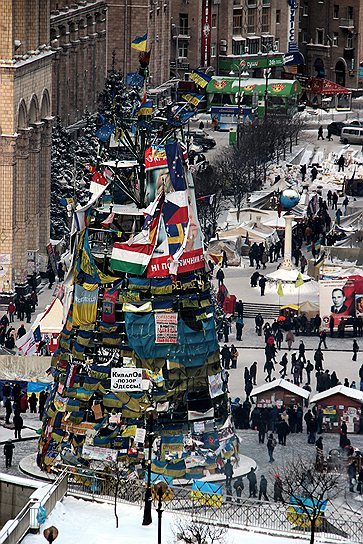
x=359 y=304
x=337 y=299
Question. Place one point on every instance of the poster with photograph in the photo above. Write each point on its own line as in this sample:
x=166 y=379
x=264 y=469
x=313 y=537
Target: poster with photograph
x=359 y=305
x=337 y=300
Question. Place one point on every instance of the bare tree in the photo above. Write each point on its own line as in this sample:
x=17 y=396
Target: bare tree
x=309 y=490
x=207 y=184
x=192 y=531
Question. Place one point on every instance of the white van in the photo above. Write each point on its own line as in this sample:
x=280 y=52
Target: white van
x=351 y=135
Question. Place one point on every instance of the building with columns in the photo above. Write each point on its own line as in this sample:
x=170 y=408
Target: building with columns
x=25 y=140
x=78 y=39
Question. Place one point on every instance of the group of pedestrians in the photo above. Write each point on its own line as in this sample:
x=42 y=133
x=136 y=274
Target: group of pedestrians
x=255 y=489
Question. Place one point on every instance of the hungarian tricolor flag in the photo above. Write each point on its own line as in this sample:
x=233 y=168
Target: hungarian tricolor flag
x=131 y=258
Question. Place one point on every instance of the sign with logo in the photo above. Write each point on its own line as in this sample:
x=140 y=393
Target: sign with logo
x=126 y=379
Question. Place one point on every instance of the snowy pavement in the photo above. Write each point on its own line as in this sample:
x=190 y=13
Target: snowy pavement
x=92 y=523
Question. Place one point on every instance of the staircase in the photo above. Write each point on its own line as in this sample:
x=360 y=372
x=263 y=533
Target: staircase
x=268 y=311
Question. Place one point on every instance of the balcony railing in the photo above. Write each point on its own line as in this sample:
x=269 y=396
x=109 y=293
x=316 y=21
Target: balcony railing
x=346 y=23
x=181 y=33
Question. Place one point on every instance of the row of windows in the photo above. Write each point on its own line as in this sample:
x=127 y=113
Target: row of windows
x=338 y=11
x=252 y=20
x=321 y=39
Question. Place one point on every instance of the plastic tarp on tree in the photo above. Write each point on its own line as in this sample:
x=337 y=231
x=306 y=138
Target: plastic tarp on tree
x=192 y=348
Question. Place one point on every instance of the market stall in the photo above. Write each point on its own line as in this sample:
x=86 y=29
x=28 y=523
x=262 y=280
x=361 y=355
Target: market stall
x=280 y=393
x=340 y=404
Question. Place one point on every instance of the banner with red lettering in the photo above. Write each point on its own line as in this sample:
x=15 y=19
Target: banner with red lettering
x=189 y=261
x=206 y=32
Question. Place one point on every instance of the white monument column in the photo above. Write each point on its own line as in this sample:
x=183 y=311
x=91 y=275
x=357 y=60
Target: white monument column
x=287 y=262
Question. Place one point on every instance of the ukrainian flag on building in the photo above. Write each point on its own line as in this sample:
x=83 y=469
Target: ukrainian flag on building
x=140 y=43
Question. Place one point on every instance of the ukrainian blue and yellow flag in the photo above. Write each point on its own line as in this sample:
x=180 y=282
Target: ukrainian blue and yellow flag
x=140 y=43
x=200 y=78
x=146 y=108
x=193 y=98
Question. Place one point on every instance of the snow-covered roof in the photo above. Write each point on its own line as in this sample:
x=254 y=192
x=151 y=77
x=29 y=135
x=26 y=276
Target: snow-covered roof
x=286 y=275
x=283 y=384
x=339 y=389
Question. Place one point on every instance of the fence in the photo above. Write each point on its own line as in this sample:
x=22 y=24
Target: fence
x=268 y=516
x=26 y=520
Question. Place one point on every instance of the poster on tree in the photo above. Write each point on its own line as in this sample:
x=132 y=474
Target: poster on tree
x=166 y=328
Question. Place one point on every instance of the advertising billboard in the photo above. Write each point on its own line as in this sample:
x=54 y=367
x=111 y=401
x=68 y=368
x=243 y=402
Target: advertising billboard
x=337 y=299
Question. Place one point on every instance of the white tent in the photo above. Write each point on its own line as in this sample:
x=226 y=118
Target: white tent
x=51 y=320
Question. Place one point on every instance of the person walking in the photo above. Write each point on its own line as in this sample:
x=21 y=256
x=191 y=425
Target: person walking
x=8 y=410
x=335 y=201
x=352 y=475
x=262 y=285
x=220 y=277
x=228 y=472
x=8 y=452
x=259 y=323
x=278 y=489
x=251 y=477
x=239 y=328
x=226 y=359
x=18 y=425
x=283 y=363
x=355 y=350
x=261 y=427
x=322 y=339
x=234 y=356
x=329 y=138
x=290 y=339
x=268 y=368
x=21 y=331
x=263 y=488
x=253 y=372
x=320 y=133
x=224 y=259
x=341 y=164
x=308 y=369
x=239 y=487
x=319 y=461
x=33 y=401
x=11 y=311
x=271 y=444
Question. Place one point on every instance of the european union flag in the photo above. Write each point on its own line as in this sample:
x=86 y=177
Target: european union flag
x=105 y=132
x=176 y=166
x=133 y=79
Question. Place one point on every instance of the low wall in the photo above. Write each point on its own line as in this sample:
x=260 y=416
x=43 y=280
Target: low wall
x=14 y=495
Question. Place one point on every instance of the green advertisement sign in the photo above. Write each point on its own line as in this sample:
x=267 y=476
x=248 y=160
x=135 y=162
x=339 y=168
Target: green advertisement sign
x=249 y=62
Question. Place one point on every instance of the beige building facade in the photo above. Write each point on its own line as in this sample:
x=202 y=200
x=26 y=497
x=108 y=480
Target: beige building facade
x=25 y=140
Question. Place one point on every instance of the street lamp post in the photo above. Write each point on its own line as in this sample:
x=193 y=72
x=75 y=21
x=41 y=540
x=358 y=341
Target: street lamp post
x=267 y=75
x=160 y=488
x=147 y=520
x=241 y=73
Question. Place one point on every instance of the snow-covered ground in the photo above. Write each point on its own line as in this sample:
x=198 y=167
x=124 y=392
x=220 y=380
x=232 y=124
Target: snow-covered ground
x=90 y=523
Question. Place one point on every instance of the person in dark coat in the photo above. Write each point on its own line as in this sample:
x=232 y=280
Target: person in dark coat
x=239 y=487
x=42 y=401
x=239 y=308
x=355 y=350
x=51 y=277
x=253 y=372
x=271 y=444
x=226 y=357
x=278 y=489
x=263 y=488
x=261 y=427
x=251 y=477
x=262 y=284
x=6 y=390
x=8 y=410
x=8 y=452
x=18 y=425
x=320 y=133
x=352 y=475
x=21 y=331
x=33 y=401
x=228 y=472
x=220 y=277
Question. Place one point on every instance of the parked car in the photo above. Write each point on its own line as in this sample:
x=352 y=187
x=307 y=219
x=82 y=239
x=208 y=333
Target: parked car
x=202 y=139
x=352 y=135
x=336 y=127
x=356 y=123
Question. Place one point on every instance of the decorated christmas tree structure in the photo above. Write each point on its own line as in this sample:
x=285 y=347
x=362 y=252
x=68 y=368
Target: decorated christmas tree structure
x=140 y=327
